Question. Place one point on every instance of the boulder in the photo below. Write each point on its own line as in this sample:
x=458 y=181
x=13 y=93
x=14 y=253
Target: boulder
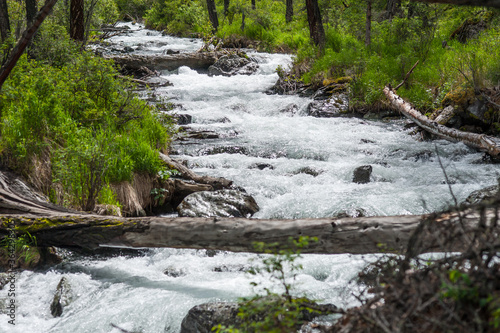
x=229 y=65
x=223 y=203
x=201 y=318
x=290 y=110
x=335 y=106
x=261 y=166
x=62 y=298
x=361 y=175
x=482 y=195
x=183 y=119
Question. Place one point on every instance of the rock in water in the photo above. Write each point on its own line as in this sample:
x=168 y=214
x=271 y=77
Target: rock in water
x=223 y=203
x=482 y=195
x=232 y=65
x=362 y=174
x=201 y=318
x=62 y=298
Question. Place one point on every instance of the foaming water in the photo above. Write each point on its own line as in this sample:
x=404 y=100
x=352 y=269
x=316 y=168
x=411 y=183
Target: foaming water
x=309 y=165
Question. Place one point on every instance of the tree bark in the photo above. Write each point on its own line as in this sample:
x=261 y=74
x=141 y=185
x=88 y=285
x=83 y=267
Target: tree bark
x=77 y=20
x=289 y=11
x=212 y=14
x=201 y=60
x=480 y=3
x=24 y=40
x=226 y=7
x=384 y=234
x=488 y=144
x=253 y=5
x=368 y=30
x=316 y=30
x=4 y=20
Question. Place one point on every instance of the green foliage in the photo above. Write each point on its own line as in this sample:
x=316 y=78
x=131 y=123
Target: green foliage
x=178 y=17
x=133 y=9
x=274 y=312
x=89 y=123
x=23 y=247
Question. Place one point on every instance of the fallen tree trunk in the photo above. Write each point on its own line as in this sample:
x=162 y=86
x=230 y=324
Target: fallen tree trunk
x=165 y=62
x=390 y=234
x=485 y=143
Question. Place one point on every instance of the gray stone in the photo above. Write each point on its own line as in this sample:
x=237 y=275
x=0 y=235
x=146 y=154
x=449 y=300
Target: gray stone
x=230 y=65
x=62 y=298
x=335 y=106
x=482 y=195
x=223 y=203
x=362 y=174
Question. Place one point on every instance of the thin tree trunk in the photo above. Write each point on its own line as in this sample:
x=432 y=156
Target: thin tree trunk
x=289 y=11
x=368 y=31
x=226 y=7
x=31 y=10
x=23 y=42
x=77 y=20
x=488 y=144
x=4 y=20
x=253 y=5
x=315 y=23
x=212 y=14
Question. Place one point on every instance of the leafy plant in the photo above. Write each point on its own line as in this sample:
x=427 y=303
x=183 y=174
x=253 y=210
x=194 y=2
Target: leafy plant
x=275 y=312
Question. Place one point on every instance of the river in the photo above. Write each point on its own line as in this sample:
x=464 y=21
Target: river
x=134 y=293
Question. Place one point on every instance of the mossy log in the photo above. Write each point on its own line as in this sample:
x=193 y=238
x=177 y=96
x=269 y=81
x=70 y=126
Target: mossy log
x=170 y=62
x=391 y=234
x=488 y=144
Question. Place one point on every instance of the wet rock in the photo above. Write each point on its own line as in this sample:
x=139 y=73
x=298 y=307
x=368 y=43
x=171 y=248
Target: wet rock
x=336 y=106
x=290 y=110
x=201 y=318
x=224 y=150
x=308 y=171
x=174 y=272
x=223 y=203
x=482 y=196
x=62 y=298
x=366 y=141
x=182 y=189
x=362 y=174
x=169 y=51
x=357 y=212
x=261 y=166
x=183 y=119
x=231 y=268
x=127 y=49
x=4 y=279
x=381 y=115
x=230 y=65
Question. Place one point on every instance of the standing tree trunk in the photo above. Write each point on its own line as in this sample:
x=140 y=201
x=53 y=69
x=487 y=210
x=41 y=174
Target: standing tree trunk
x=4 y=20
x=212 y=14
x=368 y=32
x=226 y=7
x=315 y=24
x=289 y=11
x=77 y=20
x=31 y=10
x=393 y=6
x=23 y=42
x=253 y=4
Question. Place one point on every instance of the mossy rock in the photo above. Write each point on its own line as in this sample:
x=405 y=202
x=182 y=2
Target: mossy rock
x=459 y=98
x=340 y=80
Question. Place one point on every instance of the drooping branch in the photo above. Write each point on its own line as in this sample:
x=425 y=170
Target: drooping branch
x=485 y=143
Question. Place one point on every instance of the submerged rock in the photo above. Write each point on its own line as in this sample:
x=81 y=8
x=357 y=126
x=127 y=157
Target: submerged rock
x=223 y=203
x=261 y=166
x=362 y=174
x=230 y=65
x=62 y=298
